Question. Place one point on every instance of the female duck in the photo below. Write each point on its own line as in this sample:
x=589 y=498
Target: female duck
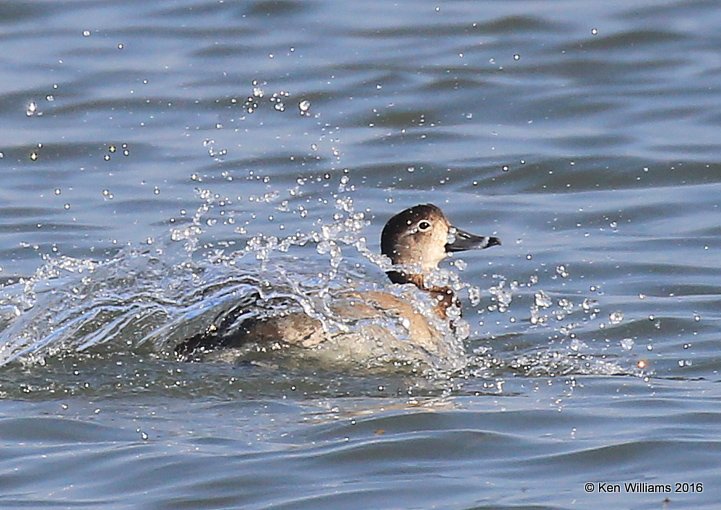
x=415 y=240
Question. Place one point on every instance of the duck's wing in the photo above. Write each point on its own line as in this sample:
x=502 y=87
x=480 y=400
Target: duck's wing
x=295 y=328
x=213 y=337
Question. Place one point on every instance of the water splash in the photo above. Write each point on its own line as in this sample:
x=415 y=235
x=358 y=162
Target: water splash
x=154 y=298
x=548 y=333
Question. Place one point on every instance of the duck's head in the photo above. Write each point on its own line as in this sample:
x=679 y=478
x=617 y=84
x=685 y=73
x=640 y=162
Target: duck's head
x=422 y=236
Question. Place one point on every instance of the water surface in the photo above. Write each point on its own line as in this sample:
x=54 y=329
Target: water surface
x=163 y=161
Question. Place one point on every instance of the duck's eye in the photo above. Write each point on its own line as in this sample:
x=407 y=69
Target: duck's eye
x=424 y=225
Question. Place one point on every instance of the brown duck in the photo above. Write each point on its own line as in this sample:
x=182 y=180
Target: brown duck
x=415 y=240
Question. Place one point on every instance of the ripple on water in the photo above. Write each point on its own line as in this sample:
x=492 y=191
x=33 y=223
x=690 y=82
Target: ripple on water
x=198 y=179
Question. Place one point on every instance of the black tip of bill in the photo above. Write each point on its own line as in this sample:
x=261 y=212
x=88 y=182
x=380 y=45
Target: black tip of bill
x=463 y=241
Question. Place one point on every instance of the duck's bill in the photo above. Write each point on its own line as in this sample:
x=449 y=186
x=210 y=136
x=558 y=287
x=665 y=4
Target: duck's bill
x=462 y=240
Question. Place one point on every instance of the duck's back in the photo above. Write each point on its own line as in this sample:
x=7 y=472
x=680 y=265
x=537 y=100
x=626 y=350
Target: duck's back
x=360 y=322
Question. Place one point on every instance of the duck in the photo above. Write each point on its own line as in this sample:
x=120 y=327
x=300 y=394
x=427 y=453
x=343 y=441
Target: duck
x=415 y=241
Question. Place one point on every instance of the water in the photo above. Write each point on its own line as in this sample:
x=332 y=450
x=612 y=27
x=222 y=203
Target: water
x=163 y=162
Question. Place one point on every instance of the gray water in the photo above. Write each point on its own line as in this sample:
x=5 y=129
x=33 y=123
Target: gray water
x=163 y=161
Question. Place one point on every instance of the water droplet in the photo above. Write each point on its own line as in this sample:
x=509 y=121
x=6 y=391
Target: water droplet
x=627 y=344
x=504 y=168
x=562 y=271
x=696 y=317
x=594 y=31
x=121 y=46
x=106 y=157
x=615 y=317
x=66 y=206
x=516 y=57
x=156 y=191
x=112 y=148
x=57 y=191
x=86 y=33
x=304 y=107
x=588 y=304
x=474 y=295
x=542 y=299
x=566 y=304
x=31 y=109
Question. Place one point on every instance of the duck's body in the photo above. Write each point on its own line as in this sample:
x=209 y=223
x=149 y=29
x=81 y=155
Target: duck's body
x=415 y=240
x=361 y=317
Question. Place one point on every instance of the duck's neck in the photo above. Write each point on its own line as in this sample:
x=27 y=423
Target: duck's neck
x=443 y=296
